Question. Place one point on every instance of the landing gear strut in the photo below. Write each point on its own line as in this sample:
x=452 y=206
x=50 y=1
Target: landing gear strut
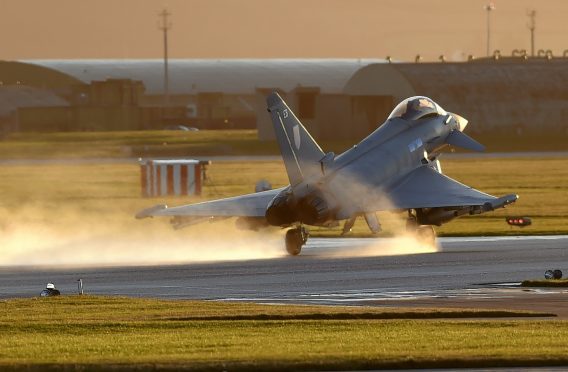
x=295 y=239
x=411 y=223
x=424 y=233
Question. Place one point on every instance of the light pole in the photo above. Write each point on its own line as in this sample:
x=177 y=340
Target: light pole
x=489 y=7
x=165 y=25
x=532 y=26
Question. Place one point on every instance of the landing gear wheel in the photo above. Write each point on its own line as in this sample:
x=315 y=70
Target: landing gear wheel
x=295 y=239
x=426 y=235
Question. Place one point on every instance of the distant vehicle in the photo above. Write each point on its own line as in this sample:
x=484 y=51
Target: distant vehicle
x=181 y=127
x=395 y=168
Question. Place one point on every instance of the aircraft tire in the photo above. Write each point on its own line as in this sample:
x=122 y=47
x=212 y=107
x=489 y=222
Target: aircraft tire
x=294 y=242
x=426 y=235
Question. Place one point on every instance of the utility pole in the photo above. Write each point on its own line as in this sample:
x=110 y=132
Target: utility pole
x=489 y=7
x=532 y=26
x=165 y=25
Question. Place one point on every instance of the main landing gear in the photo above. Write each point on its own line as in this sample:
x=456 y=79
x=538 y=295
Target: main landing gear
x=425 y=234
x=295 y=239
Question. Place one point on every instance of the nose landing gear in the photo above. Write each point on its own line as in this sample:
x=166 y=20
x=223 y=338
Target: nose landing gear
x=295 y=239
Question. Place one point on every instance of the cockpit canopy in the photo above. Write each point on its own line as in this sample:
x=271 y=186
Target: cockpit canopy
x=416 y=108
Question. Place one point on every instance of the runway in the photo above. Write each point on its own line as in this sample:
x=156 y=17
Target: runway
x=330 y=271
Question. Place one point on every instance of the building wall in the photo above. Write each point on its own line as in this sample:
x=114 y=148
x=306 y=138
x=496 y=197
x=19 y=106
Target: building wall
x=332 y=118
x=509 y=94
x=263 y=121
x=102 y=106
x=494 y=95
x=62 y=119
x=44 y=119
x=336 y=117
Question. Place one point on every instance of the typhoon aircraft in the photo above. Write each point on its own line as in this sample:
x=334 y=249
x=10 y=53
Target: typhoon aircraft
x=395 y=168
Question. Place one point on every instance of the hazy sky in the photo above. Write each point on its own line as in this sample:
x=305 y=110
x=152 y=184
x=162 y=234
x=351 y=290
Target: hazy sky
x=274 y=28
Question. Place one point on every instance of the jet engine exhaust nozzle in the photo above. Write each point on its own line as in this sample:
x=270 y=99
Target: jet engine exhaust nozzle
x=314 y=211
x=279 y=212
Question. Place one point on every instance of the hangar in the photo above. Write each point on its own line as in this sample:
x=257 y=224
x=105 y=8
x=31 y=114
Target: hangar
x=496 y=95
x=215 y=94
x=337 y=99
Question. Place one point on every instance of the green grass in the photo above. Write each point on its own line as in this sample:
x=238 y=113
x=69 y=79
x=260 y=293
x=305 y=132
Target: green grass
x=545 y=283
x=133 y=144
x=87 y=308
x=102 y=191
x=99 y=192
x=97 y=331
x=209 y=143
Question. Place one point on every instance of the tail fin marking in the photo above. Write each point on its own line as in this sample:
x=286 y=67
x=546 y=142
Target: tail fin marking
x=301 y=153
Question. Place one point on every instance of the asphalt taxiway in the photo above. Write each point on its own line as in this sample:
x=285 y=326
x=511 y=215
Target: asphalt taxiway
x=473 y=271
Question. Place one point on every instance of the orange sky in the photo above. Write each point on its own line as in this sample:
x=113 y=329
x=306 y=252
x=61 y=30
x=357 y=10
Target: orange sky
x=274 y=28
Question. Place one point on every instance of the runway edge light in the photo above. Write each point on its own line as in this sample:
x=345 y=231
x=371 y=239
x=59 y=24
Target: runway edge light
x=518 y=221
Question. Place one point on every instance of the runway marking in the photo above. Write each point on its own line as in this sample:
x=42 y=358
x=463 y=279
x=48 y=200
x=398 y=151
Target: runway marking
x=386 y=296
x=449 y=239
x=501 y=238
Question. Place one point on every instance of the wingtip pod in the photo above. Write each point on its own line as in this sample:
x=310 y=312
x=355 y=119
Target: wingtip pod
x=501 y=202
x=150 y=212
x=505 y=200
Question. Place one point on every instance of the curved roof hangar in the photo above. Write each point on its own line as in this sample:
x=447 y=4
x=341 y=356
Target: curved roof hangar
x=229 y=76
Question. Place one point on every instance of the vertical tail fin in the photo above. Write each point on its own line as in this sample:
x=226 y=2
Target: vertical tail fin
x=299 y=150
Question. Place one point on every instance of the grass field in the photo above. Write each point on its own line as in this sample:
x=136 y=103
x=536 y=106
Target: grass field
x=98 y=331
x=132 y=144
x=70 y=211
x=100 y=192
x=207 y=143
x=50 y=210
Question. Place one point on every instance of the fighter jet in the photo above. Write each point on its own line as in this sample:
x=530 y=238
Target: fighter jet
x=395 y=168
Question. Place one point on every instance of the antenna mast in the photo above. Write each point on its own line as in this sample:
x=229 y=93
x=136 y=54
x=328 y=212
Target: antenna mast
x=532 y=26
x=489 y=7
x=165 y=25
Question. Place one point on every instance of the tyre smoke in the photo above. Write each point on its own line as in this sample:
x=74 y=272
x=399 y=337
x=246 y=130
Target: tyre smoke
x=376 y=247
x=70 y=237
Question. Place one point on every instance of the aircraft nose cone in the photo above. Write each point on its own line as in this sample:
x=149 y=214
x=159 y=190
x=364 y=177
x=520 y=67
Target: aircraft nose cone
x=462 y=122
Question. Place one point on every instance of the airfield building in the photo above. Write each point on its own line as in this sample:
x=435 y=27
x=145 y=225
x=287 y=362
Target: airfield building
x=337 y=99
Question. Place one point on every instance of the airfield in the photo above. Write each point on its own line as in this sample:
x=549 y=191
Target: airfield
x=149 y=290
x=463 y=272
x=431 y=245
x=67 y=207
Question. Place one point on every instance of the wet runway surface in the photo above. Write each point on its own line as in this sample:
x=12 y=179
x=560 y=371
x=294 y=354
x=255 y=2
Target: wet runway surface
x=330 y=271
